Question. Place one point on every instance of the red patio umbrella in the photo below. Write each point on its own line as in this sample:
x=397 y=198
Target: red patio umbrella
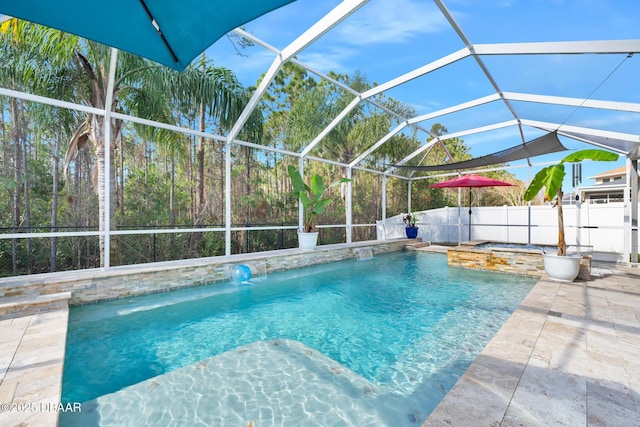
x=471 y=180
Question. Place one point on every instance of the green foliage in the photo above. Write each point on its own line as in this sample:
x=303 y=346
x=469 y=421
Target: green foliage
x=361 y=124
x=591 y=154
x=41 y=179
x=311 y=195
x=147 y=198
x=551 y=177
x=155 y=170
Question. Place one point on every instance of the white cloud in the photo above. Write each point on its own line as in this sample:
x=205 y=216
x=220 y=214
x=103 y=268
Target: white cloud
x=496 y=140
x=391 y=22
x=331 y=59
x=620 y=121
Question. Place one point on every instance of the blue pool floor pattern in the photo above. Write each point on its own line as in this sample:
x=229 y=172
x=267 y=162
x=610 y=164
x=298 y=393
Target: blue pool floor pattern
x=397 y=340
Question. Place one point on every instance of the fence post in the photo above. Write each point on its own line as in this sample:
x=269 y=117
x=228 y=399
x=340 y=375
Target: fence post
x=246 y=238
x=282 y=236
x=506 y=220
x=528 y=223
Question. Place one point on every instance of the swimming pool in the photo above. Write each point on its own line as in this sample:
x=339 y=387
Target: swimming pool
x=403 y=324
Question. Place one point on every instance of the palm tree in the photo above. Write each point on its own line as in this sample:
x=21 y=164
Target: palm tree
x=550 y=179
x=141 y=87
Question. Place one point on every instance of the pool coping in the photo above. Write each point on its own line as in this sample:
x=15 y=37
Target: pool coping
x=32 y=351
x=88 y=286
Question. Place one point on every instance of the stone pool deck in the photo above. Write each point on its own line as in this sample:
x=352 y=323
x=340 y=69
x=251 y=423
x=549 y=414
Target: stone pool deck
x=567 y=356
x=31 y=359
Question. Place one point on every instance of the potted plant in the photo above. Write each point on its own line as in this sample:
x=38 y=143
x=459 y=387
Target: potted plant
x=410 y=225
x=561 y=267
x=312 y=197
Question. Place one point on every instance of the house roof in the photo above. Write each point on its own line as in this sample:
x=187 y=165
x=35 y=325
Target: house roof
x=622 y=170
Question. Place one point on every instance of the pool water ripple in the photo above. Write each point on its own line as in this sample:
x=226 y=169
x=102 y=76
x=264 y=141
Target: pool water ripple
x=404 y=322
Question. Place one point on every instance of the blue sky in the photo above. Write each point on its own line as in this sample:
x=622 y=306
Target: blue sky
x=387 y=38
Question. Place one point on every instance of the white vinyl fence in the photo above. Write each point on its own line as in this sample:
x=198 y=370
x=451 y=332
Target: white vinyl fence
x=599 y=227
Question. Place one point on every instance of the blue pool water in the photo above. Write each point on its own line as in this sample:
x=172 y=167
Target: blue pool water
x=401 y=320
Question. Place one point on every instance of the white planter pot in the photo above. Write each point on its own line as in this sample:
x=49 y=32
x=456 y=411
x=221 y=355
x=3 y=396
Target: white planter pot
x=562 y=268
x=307 y=241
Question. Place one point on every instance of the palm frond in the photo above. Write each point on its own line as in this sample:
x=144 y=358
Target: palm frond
x=79 y=137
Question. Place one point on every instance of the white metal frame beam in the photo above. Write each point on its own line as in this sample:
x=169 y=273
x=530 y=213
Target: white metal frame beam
x=324 y=132
x=449 y=17
x=326 y=23
x=329 y=79
x=428 y=68
x=50 y=101
x=384 y=139
x=113 y=64
x=418 y=72
x=410 y=156
x=633 y=182
x=480 y=129
x=456 y=108
x=560 y=48
x=573 y=102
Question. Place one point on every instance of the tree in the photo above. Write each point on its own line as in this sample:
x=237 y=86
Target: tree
x=550 y=179
x=137 y=85
x=315 y=109
x=308 y=112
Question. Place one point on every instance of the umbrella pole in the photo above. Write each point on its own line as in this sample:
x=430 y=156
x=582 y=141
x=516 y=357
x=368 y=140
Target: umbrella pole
x=459 y=216
x=469 y=213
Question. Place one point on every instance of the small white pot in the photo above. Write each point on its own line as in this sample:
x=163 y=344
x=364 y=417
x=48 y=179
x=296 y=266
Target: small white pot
x=562 y=268
x=307 y=241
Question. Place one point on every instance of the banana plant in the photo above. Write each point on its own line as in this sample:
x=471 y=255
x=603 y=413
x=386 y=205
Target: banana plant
x=550 y=179
x=311 y=196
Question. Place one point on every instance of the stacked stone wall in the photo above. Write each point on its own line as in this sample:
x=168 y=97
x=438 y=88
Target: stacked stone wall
x=87 y=286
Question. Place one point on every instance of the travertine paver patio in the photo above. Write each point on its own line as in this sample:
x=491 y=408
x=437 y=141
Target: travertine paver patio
x=567 y=356
x=31 y=360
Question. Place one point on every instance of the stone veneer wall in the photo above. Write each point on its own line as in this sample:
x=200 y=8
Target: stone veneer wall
x=516 y=261
x=512 y=261
x=97 y=285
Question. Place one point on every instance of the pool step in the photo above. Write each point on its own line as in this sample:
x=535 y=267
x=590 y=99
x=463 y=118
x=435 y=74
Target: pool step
x=435 y=361
x=416 y=243
x=18 y=306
